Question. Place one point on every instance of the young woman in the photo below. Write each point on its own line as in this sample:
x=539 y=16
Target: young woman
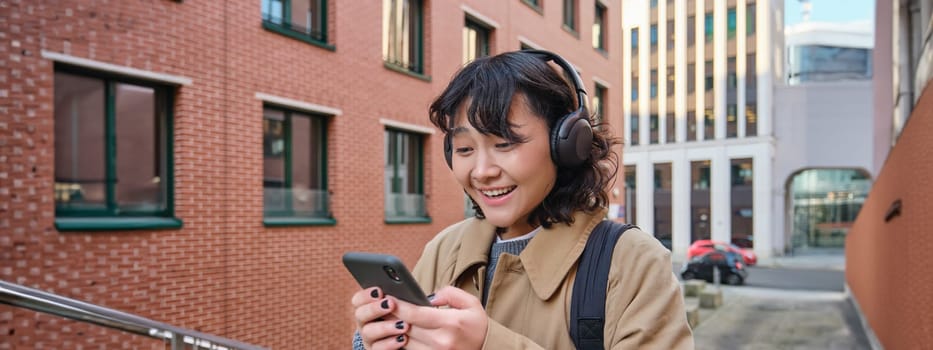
x=518 y=139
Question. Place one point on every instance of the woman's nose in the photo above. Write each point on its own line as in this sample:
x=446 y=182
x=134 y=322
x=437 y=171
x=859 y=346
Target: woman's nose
x=485 y=167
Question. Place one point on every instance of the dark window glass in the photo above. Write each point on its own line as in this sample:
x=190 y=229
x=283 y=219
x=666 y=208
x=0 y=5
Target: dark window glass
x=630 y=195
x=404 y=177
x=742 y=200
x=700 y=200
x=750 y=19
x=598 y=103
x=691 y=31
x=670 y=81
x=653 y=129
x=599 y=25
x=663 y=209
x=670 y=126
x=111 y=147
x=654 y=83
x=691 y=125
x=670 y=34
x=294 y=170
x=570 y=14
x=691 y=78
x=708 y=27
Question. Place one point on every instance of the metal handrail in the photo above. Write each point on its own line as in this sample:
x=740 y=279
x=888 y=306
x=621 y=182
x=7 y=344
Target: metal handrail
x=37 y=300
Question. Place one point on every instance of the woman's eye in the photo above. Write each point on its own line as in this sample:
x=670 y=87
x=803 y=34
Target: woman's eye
x=502 y=145
x=461 y=150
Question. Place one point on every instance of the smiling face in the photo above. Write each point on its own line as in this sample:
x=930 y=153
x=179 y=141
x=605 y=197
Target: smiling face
x=507 y=180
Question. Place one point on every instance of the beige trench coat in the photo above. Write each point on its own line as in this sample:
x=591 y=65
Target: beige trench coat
x=529 y=299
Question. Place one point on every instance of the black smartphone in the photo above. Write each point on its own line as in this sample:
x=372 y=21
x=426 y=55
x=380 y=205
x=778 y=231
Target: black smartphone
x=386 y=272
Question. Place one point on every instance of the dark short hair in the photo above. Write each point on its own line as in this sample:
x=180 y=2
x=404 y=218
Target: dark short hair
x=490 y=84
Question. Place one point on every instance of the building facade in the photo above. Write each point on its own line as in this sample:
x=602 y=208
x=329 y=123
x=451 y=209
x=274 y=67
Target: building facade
x=698 y=110
x=824 y=163
x=887 y=250
x=206 y=164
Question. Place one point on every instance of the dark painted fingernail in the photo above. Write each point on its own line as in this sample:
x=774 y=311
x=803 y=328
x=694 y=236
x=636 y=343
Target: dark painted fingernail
x=385 y=304
x=431 y=297
x=400 y=339
x=375 y=293
x=400 y=325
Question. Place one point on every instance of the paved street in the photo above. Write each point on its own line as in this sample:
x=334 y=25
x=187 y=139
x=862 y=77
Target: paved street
x=765 y=318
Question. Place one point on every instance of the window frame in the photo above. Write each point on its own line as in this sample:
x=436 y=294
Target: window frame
x=289 y=217
x=391 y=132
x=483 y=31
x=601 y=40
x=417 y=67
x=569 y=16
x=286 y=28
x=112 y=217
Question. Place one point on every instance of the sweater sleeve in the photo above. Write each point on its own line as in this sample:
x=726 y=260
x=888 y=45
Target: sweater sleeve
x=644 y=300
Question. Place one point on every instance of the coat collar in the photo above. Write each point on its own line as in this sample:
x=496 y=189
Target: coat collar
x=548 y=258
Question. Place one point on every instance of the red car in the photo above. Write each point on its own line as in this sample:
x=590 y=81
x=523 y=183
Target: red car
x=706 y=245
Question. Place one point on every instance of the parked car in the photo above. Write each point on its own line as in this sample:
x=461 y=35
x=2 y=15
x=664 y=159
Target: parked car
x=705 y=245
x=731 y=268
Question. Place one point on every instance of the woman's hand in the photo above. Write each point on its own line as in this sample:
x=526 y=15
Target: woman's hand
x=459 y=323
x=378 y=328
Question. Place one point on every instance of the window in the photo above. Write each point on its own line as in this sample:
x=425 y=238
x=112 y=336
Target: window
x=113 y=150
x=709 y=123
x=402 y=35
x=669 y=128
x=654 y=83
x=708 y=28
x=700 y=209
x=630 y=194
x=570 y=15
x=654 y=3
x=404 y=177
x=634 y=88
x=300 y=19
x=691 y=31
x=599 y=104
x=475 y=41
x=750 y=19
x=730 y=23
x=294 y=176
x=670 y=35
x=691 y=78
x=635 y=42
x=691 y=125
x=654 y=37
x=742 y=175
x=732 y=120
x=663 y=208
x=599 y=22
x=535 y=4
x=633 y=128
x=708 y=70
x=653 y=131
x=670 y=81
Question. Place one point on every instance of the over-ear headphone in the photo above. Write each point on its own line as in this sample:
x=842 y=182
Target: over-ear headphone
x=572 y=137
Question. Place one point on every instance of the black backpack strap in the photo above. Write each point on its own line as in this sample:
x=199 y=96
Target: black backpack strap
x=588 y=301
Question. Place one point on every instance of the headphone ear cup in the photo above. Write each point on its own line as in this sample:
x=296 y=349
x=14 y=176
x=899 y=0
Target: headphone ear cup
x=448 y=151
x=571 y=140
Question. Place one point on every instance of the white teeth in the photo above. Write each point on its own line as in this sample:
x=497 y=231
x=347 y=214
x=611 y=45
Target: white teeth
x=497 y=192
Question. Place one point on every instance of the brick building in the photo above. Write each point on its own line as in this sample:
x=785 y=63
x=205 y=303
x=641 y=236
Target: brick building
x=206 y=163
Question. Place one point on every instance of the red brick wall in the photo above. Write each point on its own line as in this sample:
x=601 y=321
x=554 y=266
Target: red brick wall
x=224 y=272
x=888 y=263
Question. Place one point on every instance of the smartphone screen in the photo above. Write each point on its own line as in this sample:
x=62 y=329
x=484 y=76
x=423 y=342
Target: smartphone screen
x=386 y=272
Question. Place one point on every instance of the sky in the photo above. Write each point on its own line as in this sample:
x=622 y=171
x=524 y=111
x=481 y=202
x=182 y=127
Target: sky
x=836 y=11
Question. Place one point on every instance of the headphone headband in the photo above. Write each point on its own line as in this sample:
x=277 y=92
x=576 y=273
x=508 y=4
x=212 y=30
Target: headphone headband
x=568 y=69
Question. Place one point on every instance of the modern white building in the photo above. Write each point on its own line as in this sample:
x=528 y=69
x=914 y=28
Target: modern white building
x=699 y=141
x=717 y=143
x=824 y=131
